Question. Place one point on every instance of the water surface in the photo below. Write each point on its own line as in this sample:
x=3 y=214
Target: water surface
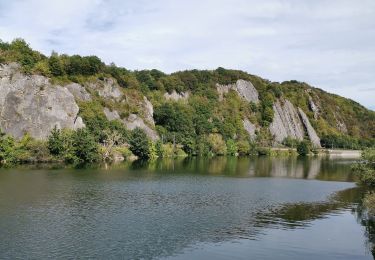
x=217 y=208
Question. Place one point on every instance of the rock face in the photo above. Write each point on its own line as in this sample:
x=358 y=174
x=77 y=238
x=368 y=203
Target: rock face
x=30 y=104
x=286 y=122
x=244 y=88
x=148 y=111
x=250 y=128
x=107 y=88
x=314 y=108
x=134 y=121
x=111 y=115
x=177 y=96
x=315 y=140
x=79 y=92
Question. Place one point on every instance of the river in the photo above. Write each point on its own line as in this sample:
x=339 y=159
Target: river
x=192 y=208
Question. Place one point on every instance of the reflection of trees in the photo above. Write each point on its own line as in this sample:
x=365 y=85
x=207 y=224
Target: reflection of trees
x=301 y=214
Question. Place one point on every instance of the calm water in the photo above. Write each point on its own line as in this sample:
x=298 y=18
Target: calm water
x=219 y=208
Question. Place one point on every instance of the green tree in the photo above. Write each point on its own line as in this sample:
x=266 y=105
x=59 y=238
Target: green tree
x=55 y=142
x=85 y=147
x=139 y=143
x=366 y=168
x=217 y=144
x=303 y=148
x=55 y=65
x=231 y=147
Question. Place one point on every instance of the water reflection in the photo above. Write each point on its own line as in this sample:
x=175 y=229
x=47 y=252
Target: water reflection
x=161 y=209
x=320 y=168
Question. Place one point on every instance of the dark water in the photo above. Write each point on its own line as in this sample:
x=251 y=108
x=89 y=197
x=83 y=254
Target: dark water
x=219 y=208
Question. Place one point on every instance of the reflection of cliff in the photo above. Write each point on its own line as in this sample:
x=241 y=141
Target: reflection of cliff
x=285 y=167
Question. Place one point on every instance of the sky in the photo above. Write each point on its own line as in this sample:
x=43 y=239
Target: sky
x=329 y=44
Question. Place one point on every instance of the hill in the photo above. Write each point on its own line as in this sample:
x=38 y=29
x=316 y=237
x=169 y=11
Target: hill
x=203 y=111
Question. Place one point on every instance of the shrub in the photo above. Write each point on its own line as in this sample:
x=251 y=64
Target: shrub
x=217 y=144
x=139 y=143
x=303 y=148
x=366 y=168
x=85 y=147
x=231 y=147
x=243 y=147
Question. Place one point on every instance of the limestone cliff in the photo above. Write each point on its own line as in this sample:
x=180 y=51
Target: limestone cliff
x=315 y=140
x=291 y=122
x=31 y=104
x=245 y=90
x=176 y=96
x=286 y=122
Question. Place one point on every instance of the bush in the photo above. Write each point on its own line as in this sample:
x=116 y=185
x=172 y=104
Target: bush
x=366 y=168
x=86 y=149
x=303 y=148
x=217 y=144
x=243 y=147
x=231 y=147
x=139 y=143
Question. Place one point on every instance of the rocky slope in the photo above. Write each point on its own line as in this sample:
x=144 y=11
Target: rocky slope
x=250 y=107
x=31 y=104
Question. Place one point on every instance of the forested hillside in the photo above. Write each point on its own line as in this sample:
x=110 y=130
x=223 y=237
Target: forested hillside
x=199 y=112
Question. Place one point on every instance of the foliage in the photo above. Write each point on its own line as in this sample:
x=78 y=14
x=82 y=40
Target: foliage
x=369 y=202
x=366 y=168
x=196 y=126
x=217 y=144
x=303 y=148
x=85 y=146
x=231 y=147
x=140 y=144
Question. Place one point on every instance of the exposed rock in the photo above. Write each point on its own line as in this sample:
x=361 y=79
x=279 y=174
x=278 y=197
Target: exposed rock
x=340 y=124
x=315 y=140
x=111 y=115
x=107 y=88
x=250 y=128
x=244 y=88
x=134 y=121
x=286 y=122
x=148 y=111
x=30 y=104
x=177 y=96
x=314 y=108
x=79 y=92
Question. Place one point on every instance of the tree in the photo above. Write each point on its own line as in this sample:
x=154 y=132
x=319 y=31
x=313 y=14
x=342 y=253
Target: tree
x=85 y=147
x=366 y=168
x=55 y=65
x=217 y=144
x=303 y=148
x=231 y=147
x=139 y=143
x=55 y=142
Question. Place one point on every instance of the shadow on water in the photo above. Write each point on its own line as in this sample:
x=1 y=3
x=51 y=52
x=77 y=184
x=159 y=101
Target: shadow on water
x=158 y=209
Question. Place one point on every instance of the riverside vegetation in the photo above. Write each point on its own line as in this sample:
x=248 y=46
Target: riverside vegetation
x=366 y=173
x=151 y=114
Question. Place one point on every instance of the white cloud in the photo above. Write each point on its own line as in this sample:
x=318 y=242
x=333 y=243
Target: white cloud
x=330 y=44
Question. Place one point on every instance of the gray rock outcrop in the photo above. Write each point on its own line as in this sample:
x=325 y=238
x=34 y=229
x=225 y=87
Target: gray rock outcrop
x=30 y=104
x=250 y=128
x=314 y=108
x=111 y=115
x=176 y=96
x=107 y=88
x=286 y=122
x=148 y=109
x=134 y=121
x=245 y=90
x=79 y=92
x=315 y=140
